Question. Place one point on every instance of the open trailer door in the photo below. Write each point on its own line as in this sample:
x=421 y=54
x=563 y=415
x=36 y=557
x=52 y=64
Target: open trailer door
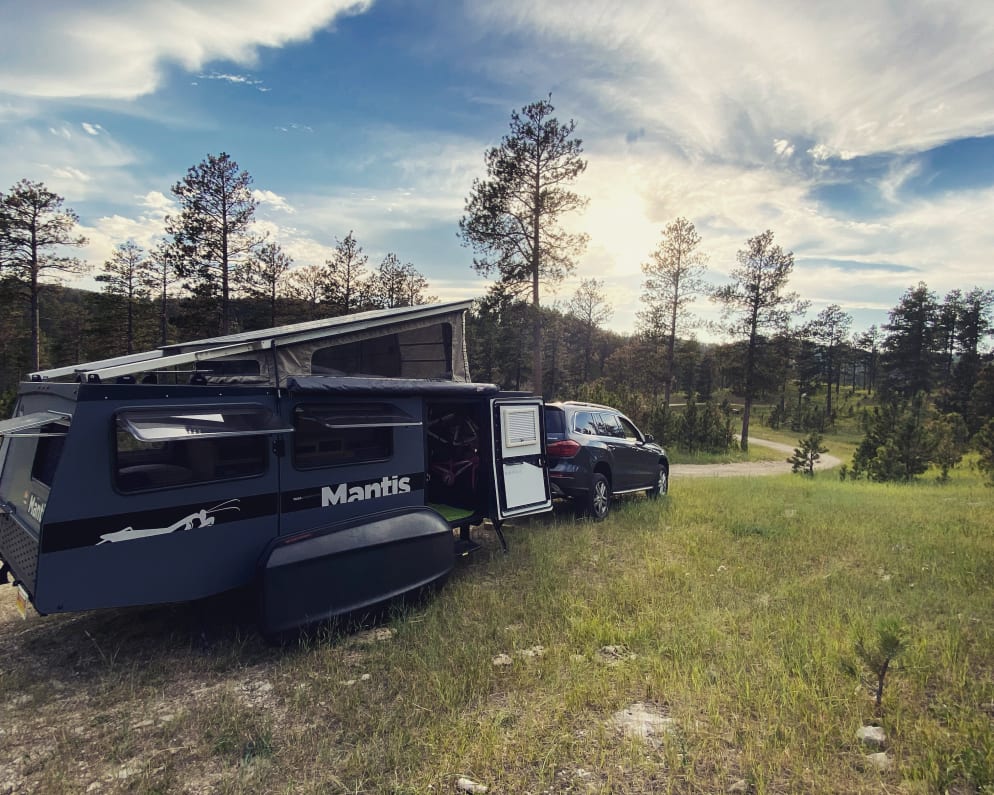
x=520 y=470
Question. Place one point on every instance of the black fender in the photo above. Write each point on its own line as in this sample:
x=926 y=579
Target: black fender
x=335 y=569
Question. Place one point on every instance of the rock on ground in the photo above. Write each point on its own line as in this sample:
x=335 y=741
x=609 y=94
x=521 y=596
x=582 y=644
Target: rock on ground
x=873 y=736
x=643 y=721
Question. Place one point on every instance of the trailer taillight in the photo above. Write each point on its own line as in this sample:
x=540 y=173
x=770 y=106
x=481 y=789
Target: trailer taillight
x=567 y=448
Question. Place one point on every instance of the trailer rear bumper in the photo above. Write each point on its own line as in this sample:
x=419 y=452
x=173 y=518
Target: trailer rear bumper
x=318 y=574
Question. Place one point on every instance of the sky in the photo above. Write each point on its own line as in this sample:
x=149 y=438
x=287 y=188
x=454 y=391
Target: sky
x=861 y=133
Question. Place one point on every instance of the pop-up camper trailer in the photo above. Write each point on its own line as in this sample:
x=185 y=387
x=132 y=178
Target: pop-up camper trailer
x=327 y=463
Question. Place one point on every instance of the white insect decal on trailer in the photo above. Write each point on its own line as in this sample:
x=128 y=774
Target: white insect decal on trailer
x=202 y=518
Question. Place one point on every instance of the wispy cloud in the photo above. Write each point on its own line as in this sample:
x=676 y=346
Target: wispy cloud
x=854 y=78
x=294 y=127
x=238 y=80
x=69 y=159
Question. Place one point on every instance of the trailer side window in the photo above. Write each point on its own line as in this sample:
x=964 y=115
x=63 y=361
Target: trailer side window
x=414 y=353
x=162 y=448
x=154 y=465
x=332 y=435
x=47 y=453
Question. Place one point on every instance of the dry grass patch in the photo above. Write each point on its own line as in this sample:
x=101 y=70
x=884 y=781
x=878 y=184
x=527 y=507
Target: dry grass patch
x=731 y=608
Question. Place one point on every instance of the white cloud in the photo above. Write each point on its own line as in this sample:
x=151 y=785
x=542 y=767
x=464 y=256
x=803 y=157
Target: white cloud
x=91 y=129
x=70 y=174
x=268 y=199
x=157 y=203
x=62 y=48
x=783 y=148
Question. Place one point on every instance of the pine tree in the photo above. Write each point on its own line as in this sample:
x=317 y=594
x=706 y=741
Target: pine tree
x=674 y=279
x=33 y=229
x=910 y=349
x=126 y=275
x=212 y=236
x=513 y=216
x=756 y=304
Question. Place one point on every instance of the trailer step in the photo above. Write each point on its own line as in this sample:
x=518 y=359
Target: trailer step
x=465 y=546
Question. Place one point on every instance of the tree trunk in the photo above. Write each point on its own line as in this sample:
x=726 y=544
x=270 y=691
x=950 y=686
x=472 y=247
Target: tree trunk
x=537 y=321
x=744 y=436
x=163 y=314
x=828 y=392
x=587 y=351
x=131 y=326
x=35 y=314
x=750 y=366
x=671 y=345
x=225 y=317
x=555 y=356
x=670 y=359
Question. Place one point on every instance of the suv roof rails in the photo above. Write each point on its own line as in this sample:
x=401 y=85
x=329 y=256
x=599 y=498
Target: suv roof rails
x=587 y=405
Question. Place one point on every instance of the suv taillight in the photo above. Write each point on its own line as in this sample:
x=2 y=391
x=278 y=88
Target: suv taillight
x=567 y=448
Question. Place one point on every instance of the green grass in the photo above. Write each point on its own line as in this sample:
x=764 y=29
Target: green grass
x=735 y=605
x=732 y=456
x=840 y=443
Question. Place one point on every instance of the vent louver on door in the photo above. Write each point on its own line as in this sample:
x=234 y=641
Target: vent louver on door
x=521 y=427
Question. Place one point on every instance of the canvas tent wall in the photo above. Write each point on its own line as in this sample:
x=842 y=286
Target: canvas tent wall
x=406 y=342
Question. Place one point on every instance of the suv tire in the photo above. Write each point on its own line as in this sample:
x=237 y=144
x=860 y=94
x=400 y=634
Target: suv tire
x=598 y=503
x=662 y=484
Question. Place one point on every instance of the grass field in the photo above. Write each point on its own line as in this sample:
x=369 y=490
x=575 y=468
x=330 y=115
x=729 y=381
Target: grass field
x=732 y=456
x=732 y=607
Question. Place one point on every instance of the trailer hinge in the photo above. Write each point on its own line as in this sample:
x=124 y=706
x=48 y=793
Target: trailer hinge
x=279 y=447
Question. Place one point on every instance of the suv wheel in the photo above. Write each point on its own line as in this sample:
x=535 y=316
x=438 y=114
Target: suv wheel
x=661 y=485
x=599 y=498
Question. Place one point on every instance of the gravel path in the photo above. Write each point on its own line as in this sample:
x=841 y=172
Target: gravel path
x=749 y=467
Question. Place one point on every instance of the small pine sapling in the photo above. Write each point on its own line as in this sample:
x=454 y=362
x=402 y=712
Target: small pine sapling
x=888 y=641
x=807 y=455
x=984 y=443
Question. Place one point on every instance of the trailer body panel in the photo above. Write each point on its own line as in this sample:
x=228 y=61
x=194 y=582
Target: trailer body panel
x=283 y=466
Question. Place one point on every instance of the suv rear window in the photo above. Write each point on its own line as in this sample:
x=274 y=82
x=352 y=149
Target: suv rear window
x=585 y=422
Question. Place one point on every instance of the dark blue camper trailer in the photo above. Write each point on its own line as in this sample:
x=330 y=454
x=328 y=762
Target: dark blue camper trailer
x=329 y=464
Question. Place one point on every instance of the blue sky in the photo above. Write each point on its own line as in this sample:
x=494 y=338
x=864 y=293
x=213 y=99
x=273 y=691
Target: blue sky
x=861 y=133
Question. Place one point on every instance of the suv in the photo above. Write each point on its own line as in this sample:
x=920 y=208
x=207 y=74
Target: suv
x=596 y=452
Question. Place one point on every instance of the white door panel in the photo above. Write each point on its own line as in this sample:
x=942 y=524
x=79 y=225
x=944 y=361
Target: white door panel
x=520 y=469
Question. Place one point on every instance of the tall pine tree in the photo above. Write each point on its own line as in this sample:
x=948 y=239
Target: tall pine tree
x=513 y=216
x=34 y=228
x=212 y=236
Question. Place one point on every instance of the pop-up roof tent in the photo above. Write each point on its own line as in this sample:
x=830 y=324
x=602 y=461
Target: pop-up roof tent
x=406 y=342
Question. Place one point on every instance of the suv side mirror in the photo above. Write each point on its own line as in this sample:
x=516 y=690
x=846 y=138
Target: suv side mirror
x=648 y=438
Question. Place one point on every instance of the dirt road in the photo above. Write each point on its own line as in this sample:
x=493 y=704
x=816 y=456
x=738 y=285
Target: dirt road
x=749 y=467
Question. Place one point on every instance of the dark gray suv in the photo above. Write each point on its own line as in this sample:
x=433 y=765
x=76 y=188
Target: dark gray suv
x=596 y=452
